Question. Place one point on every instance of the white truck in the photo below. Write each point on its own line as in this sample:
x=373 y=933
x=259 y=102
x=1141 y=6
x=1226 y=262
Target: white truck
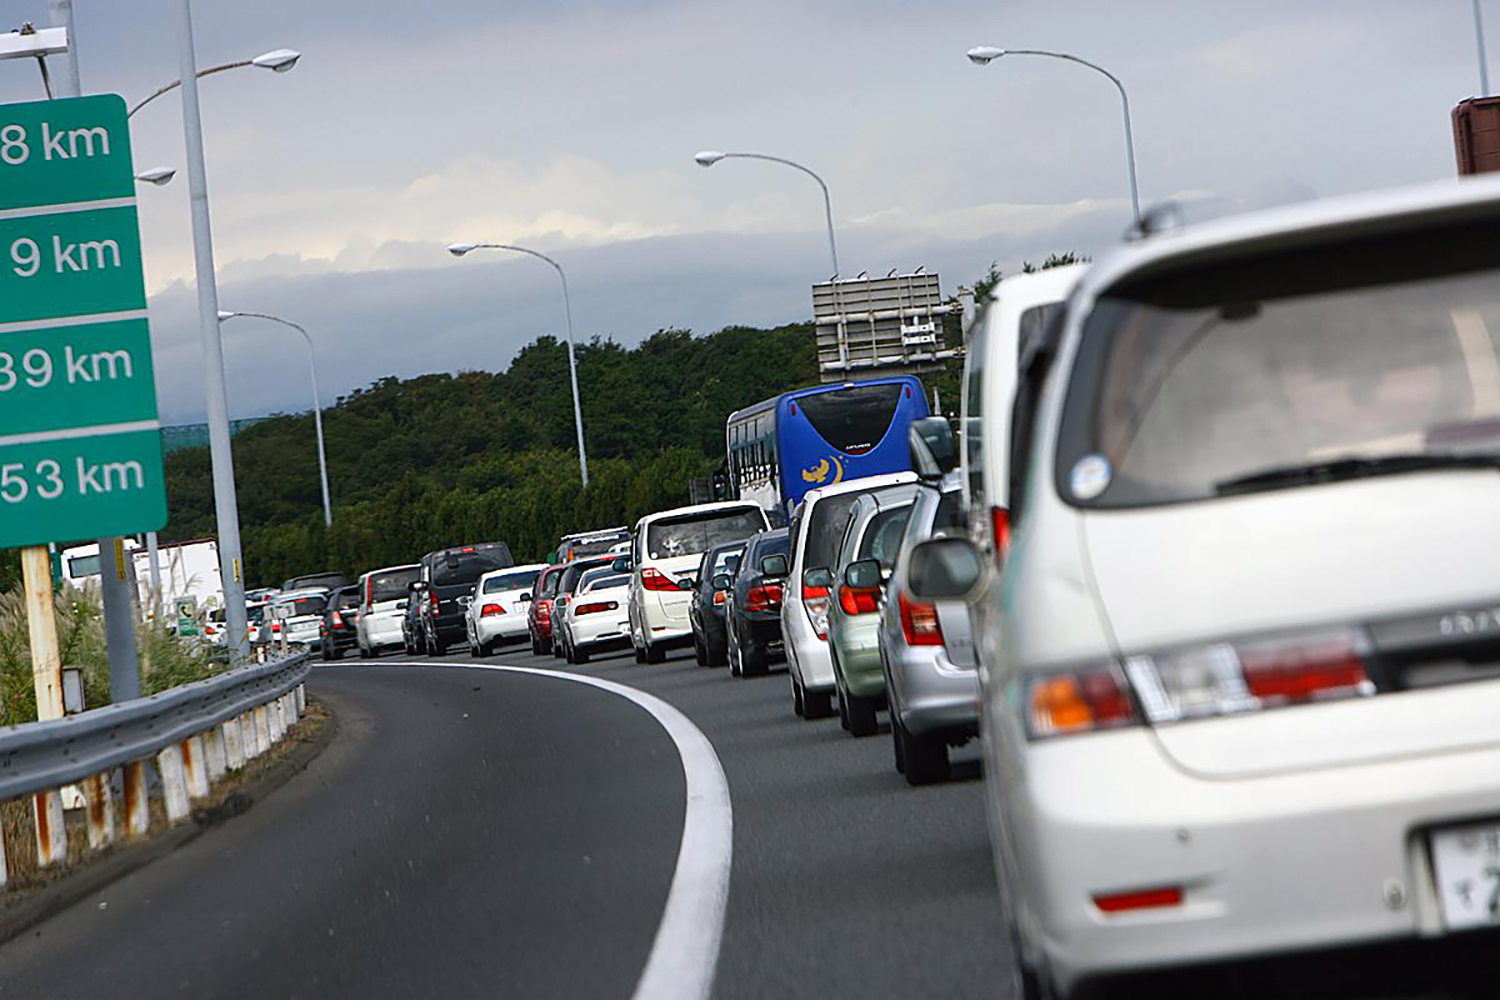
x=188 y=569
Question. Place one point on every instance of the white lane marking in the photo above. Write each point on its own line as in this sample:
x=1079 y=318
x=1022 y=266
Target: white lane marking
x=685 y=954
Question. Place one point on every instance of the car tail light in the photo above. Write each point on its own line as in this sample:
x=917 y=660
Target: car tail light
x=337 y=620
x=1000 y=531
x=370 y=591
x=815 y=600
x=654 y=579
x=543 y=610
x=763 y=597
x=433 y=595
x=859 y=600
x=718 y=598
x=1141 y=899
x=1247 y=675
x=490 y=610
x=276 y=626
x=1079 y=701
x=595 y=608
x=919 y=622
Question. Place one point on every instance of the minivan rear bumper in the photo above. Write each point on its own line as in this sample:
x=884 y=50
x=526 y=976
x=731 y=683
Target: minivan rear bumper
x=1271 y=865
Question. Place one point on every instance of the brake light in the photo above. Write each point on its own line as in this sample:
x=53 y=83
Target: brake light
x=433 y=595
x=490 y=610
x=1079 y=701
x=1144 y=899
x=276 y=626
x=338 y=621
x=654 y=579
x=543 y=610
x=370 y=591
x=1000 y=532
x=859 y=600
x=919 y=622
x=590 y=609
x=763 y=597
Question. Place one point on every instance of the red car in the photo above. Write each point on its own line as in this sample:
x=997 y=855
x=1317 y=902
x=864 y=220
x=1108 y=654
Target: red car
x=539 y=618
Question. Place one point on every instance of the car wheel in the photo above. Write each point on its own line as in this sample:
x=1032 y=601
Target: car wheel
x=733 y=649
x=327 y=653
x=365 y=652
x=843 y=709
x=816 y=704
x=655 y=654
x=897 y=736
x=796 y=695
x=536 y=645
x=580 y=656
x=699 y=656
x=434 y=646
x=473 y=650
x=861 y=712
x=752 y=661
x=335 y=653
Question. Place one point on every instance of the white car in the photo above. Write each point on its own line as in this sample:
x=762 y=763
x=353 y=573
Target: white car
x=598 y=617
x=666 y=548
x=298 y=615
x=1240 y=666
x=817 y=529
x=501 y=603
x=383 y=594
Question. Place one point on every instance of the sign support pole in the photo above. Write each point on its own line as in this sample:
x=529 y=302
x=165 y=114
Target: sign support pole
x=46 y=679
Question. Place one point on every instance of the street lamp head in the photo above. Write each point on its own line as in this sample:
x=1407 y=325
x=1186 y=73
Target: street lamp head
x=156 y=175
x=226 y=314
x=459 y=249
x=982 y=54
x=278 y=60
x=709 y=157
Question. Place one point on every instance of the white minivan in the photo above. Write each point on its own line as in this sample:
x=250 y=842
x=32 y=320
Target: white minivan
x=382 y=606
x=666 y=548
x=1241 y=656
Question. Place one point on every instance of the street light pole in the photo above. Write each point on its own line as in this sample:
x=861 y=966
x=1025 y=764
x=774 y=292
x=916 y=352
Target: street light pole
x=277 y=61
x=1484 y=64
x=980 y=55
x=459 y=249
x=709 y=157
x=312 y=366
x=225 y=505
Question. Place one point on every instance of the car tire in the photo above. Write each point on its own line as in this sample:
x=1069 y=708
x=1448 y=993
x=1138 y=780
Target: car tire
x=898 y=745
x=861 y=713
x=816 y=704
x=434 y=646
x=326 y=653
x=732 y=651
x=843 y=709
x=655 y=654
x=365 y=652
x=753 y=661
x=700 y=657
x=925 y=756
x=334 y=653
x=474 y=651
x=796 y=696
x=580 y=656
x=536 y=646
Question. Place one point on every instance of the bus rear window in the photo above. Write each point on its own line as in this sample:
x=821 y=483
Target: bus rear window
x=854 y=419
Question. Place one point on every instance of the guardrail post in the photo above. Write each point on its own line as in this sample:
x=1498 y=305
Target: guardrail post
x=278 y=724
x=173 y=782
x=214 y=753
x=137 y=800
x=196 y=766
x=234 y=750
x=289 y=710
x=301 y=700
x=4 y=871
x=100 y=805
x=262 y=730
x=51 y=834
x=249 y=736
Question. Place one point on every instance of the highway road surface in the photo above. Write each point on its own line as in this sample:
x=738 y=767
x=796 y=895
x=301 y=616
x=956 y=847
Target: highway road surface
x=494 y=832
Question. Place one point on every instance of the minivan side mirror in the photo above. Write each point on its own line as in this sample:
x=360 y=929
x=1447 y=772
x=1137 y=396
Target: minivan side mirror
x=863 y=575
x=944 y=568
x=820 y=576
x=934 y=449
x=621 y=565
x=723 y=581
x=774 y=565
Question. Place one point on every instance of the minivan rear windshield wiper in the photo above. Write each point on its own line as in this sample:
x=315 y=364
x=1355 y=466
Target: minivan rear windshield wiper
x=1351 y=468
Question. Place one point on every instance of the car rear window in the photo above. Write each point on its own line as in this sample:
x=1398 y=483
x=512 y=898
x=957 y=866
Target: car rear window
x=948 y=519
x=607 y=582
x=825 y=530
x=853 y=420
x=523 y=580
x=457 y=568
x=882 y=538
x=392 y=585
x=574 y=573
x=346 y=599
x=692 y=534
x=303 y=606
x=550 y=580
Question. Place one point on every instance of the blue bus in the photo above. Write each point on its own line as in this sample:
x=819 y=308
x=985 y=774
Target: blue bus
x=781 y=448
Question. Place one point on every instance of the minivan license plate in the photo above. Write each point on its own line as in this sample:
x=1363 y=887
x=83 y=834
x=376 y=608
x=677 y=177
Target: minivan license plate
x=1467 y=863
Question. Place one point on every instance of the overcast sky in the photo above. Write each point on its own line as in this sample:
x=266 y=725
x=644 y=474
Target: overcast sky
x=570 y=126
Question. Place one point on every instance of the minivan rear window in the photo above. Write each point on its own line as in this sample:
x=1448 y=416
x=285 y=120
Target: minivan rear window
x=392 y=585
x=694 y=534
x=457 y=568
x=853 y=420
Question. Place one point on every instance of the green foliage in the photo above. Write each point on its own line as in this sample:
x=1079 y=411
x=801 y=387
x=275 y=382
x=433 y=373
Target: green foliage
x=422 y=463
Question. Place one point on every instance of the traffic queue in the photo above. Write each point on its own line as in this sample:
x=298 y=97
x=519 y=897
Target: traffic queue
x=1207 y=567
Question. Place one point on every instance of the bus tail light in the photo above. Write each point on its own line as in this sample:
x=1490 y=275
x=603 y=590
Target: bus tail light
x=859 y=600
x=919 y=622
x=655 y=579
x=490 y=610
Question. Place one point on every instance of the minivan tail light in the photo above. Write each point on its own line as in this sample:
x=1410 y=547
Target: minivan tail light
x=1000 y=533
x=1078 y=701
x=859 y=600
x=433 y=595
x=919 y=622
x=490 y=610
x=655 y=579
x=763 y=597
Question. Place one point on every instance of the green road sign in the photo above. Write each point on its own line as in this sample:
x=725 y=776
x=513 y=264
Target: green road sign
x=80 y=445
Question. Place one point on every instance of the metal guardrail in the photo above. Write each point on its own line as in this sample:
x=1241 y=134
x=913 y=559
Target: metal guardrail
x=195 y=733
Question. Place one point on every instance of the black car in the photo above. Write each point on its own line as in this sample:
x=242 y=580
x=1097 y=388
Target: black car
x=340 y=623
x=565 y=588
x=706 y=611
x=752 y=612
x=445 y=588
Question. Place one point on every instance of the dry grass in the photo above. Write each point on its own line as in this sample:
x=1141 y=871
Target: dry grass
x=19 y=829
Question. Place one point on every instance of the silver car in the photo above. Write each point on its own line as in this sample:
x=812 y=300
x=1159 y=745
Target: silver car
x=927 y=651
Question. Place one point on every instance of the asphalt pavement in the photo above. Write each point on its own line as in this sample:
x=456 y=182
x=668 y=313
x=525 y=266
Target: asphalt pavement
x=487 y=833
